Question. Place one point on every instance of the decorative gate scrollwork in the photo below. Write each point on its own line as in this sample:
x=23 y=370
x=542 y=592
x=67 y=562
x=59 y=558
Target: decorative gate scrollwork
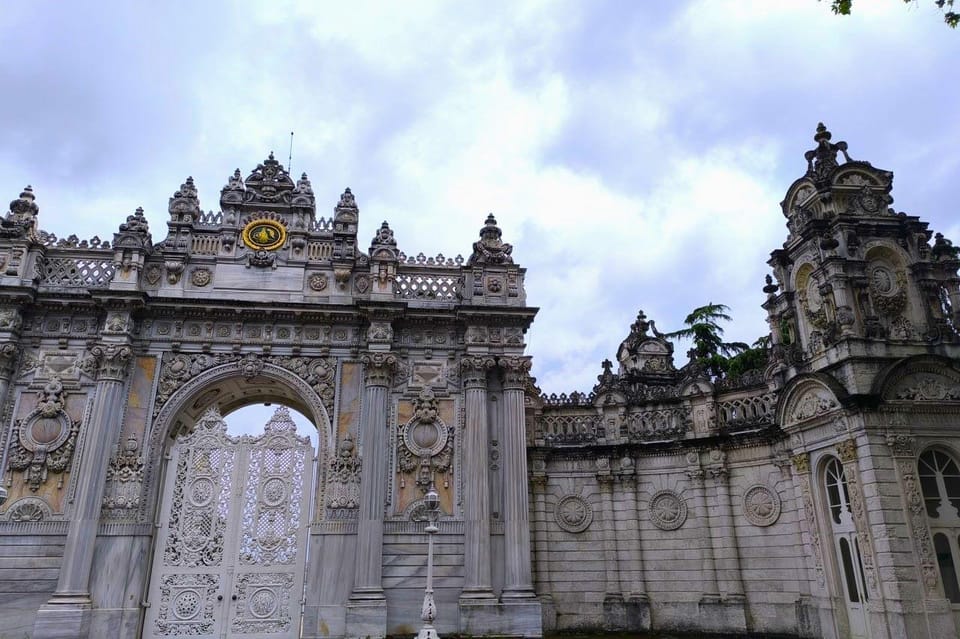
x=230 y=551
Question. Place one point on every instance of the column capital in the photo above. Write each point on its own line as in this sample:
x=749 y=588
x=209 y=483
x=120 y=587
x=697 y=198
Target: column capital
x=379 y=368
x=112 y=361
x=801 y=462
x=902 y=445
x=516 y=371
x=847 y=450
x=473 y=370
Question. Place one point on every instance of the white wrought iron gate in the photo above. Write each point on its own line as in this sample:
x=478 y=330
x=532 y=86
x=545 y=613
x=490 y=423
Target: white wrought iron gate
x=230 y=551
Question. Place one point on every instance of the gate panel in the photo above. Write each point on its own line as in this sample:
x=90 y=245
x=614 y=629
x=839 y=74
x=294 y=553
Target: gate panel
x=230 y=553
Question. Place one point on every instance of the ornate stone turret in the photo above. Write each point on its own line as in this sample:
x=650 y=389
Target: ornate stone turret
x=21 y=221
x=131 y=244
x=646 y=356
x=852 y=267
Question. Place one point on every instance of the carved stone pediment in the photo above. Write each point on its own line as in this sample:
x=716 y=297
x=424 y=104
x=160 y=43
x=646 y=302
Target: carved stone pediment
x=926 y=387
x=814 y=401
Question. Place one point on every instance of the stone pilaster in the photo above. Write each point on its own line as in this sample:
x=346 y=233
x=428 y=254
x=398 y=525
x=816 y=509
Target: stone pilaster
x=67 y=613
x=611 y=561
x=538 y=482
x=478 y=583
x=722 y=531
x=628 y=536
x=367 y=608
x=696 y=474
x=518 y=581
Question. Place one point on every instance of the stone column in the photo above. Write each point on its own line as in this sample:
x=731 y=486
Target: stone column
x=478 y=583
x=66 y=614
x=518 y=581
x=378 y=370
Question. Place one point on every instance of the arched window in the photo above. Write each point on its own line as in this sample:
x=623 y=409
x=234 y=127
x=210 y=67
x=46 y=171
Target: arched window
x=940 y=483
x=845 y=541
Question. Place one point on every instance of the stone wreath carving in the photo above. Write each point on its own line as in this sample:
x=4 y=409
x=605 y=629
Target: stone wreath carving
x=45 y=438
x=425 y=442
x=668 y=510
x=178 y=368
x=573 y=513
x=761 y=505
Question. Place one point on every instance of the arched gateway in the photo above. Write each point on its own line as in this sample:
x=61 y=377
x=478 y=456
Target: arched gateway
x=121 y=354
x=816 y=494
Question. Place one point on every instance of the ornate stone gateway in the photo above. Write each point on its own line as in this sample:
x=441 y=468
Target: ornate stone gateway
x=229 y=559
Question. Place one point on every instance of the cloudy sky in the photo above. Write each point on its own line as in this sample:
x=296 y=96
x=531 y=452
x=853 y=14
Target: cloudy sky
x=634 y=153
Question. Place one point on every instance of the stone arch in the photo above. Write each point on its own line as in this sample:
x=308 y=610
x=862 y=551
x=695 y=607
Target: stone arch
x=921 y=378
x=223 y=386
x=808 y=397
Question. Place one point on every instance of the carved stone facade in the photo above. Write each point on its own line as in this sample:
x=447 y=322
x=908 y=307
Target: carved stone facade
x=811 y=497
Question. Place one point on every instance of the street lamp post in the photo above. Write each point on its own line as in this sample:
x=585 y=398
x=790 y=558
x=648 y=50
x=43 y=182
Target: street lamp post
x=429 y=610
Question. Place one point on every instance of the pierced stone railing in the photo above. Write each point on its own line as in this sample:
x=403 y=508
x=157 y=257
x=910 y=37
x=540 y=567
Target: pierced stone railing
x=567 y=429
x=72 y=241
x=439 y=287
x=76 y=272
x=755 y=410
x=573 y=399
x=322 y=225
x=657 y=424
x=210 y=218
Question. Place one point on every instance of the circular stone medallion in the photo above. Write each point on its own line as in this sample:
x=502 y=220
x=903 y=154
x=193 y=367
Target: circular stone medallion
x=573 y=513
x=201 y=492
x=761 y=506
x=186 y=605
x=668 y=510
x=264 y=235
x=263 y=603
x=274 y=491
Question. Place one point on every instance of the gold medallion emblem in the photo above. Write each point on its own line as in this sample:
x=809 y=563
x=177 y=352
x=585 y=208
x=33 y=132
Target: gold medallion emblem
x=264 y=235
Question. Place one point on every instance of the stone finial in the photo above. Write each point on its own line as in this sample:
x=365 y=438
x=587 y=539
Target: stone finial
x=269 y=181
x=346 y=211
x=491 y=249
x=136 y=223
x=770 y=288
x=22 y=219
x=185 y=201
x=384 y=236
x=822 y=161
x=25 y=206
x=944 y=248
x=304 y=186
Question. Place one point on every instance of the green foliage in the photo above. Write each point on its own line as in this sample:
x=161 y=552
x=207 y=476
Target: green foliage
x=703 y=328
x=952 y=18
x=754 y=358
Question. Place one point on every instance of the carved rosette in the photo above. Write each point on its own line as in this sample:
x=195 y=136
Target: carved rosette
x=44 y=439
x=516 y=372
x=425 y=442
x=113 y=361
x=473 y=371
x=761 y=505
x=379 y=368
x=668 y=510
x=573 y=514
